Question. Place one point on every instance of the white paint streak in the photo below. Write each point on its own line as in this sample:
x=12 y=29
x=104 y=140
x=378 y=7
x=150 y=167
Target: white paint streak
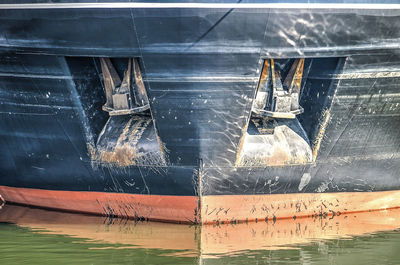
x=305 y=179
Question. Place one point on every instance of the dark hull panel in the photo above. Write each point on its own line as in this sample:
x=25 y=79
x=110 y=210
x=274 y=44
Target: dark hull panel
x=202 y=69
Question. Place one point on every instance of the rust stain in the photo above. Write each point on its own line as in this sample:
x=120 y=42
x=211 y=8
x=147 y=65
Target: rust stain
x=122 y=144
x=278 y=157
x=111 y=79
x=163 y=150
x=296 y=83
x=138 y=132
x=120 y=156
x=274 y=77
x=241 y=144
x=264 y=75
x=261 y=94
x=92 y=151
x=199 y=190
x=125 y=131
x=321 y=132
x=126 y=82
x=124 y=153
x=142 y=95
x=294 y=77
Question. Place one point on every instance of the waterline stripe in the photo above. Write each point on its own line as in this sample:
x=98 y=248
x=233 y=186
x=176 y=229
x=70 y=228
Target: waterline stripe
x=203 y=5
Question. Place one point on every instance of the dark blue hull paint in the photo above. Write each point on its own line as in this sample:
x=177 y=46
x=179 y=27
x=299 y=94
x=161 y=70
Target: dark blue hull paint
x=201 y=74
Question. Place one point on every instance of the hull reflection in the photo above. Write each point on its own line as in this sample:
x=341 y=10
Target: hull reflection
x=128 y=233
x=204 y=242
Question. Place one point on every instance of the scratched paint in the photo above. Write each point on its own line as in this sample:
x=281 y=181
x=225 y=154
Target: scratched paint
x=123 y=143
x=236 y=208
x=322 y=127
x=283 y=147
x=201 y=85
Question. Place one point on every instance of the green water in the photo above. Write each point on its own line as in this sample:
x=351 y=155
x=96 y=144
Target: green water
x=25 y=246
x=30 y=236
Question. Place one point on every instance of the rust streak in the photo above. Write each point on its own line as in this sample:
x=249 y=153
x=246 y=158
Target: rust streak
x=111 y=79
x=241 y=144
x=264 y=74
x=296 y=83
x=317 y=142
x=124 y=152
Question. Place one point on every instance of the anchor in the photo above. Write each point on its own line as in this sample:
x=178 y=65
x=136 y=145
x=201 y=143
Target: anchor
x=276 y=99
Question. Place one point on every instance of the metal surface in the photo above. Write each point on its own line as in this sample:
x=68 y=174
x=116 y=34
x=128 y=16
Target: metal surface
x=200 y=69
x=128 y=96
x=275 y=99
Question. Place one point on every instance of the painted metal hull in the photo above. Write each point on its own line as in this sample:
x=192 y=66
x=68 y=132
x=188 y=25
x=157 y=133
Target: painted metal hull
x=201 y=68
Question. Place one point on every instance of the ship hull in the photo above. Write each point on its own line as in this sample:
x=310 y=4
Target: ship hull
x=211 y=209
x=197 y=153
x=181 y=209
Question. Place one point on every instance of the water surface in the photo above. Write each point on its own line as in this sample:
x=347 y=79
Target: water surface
x=37 y=236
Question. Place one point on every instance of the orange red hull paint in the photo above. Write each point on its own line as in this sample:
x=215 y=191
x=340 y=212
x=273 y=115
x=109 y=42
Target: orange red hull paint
x=236 y=208
x=214 y=209
x=154 y=207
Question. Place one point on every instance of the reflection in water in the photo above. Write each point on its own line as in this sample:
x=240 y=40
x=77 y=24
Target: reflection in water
x=34 y=235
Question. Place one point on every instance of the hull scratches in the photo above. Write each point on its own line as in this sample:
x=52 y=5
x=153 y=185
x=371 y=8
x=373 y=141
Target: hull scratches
x=179 y=209
x=214 y=209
